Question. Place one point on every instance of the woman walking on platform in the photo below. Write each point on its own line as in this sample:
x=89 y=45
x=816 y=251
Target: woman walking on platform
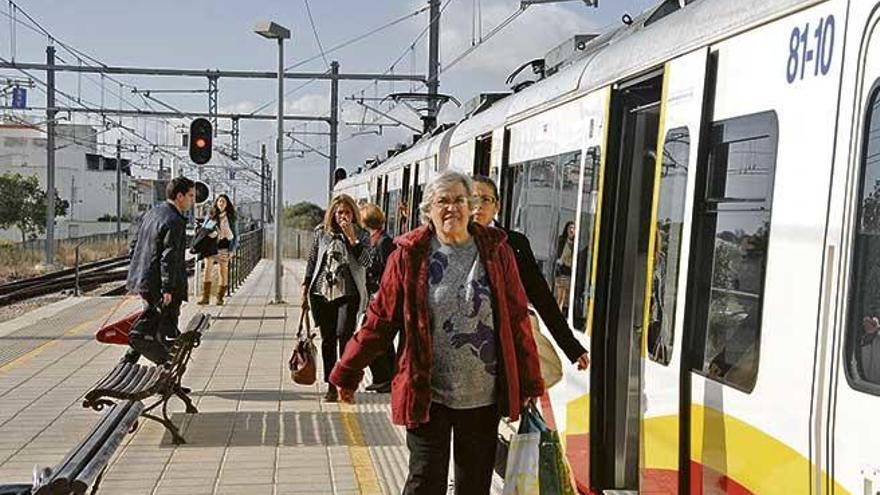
x=335 y=284
x=224 y=241
x=468 y=355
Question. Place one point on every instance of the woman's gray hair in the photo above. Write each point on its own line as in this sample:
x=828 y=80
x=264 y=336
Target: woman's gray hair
x=440 y=184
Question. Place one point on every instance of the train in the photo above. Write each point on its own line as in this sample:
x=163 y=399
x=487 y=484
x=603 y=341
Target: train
x=720 y=162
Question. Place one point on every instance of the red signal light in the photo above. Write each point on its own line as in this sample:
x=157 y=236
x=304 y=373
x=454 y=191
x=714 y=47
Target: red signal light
x=201 y=143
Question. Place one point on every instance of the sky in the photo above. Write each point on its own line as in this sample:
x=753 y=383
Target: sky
x=218 y=34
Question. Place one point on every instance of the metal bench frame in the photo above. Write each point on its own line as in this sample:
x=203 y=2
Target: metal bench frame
x=129 y=381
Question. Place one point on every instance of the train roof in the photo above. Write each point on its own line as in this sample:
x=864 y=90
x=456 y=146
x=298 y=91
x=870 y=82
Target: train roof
x=629 y=50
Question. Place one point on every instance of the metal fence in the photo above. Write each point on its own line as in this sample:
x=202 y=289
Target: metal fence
x=294 y=243
x=245 y=258
x=73 y=242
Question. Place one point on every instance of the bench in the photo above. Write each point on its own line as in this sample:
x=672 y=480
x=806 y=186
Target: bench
x=84 y=466
x=139 y=382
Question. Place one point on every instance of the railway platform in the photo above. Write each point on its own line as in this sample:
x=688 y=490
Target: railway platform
x=256 y=432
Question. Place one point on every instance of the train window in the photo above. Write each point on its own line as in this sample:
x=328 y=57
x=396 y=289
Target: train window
x=542 y=201
x=391 y=211
x=667 y=244
x=733 y=227
x=863 y=338
x=583 y=291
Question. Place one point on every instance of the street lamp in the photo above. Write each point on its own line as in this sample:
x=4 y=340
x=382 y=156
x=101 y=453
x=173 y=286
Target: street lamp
x=268 y=29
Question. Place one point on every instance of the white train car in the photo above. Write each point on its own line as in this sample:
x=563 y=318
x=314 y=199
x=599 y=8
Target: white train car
x=721 y=165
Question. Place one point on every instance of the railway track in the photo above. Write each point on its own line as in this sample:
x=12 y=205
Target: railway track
x=91 y=276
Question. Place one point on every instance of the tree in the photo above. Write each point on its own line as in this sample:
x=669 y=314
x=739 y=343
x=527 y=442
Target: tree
x=303 y=216
x=23 y=205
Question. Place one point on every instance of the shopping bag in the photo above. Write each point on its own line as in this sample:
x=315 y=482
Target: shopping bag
x=303 y=368
x=551 y=366
x=539 y=468
x=523 y=464
x=117 y=332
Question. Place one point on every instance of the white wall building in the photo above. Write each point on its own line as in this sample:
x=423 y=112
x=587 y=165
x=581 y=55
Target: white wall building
x=83 y=176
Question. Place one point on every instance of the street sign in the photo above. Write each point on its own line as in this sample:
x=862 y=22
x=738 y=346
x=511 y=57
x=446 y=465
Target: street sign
x=19 y=97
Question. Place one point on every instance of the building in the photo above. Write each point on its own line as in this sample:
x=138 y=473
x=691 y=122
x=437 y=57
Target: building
x=83 y=176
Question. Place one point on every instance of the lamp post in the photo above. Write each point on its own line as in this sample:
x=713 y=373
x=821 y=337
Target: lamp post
x=268 y=29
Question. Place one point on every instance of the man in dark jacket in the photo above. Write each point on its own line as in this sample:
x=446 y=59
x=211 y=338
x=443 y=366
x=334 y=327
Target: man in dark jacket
x=158 y=270
x=486 y=207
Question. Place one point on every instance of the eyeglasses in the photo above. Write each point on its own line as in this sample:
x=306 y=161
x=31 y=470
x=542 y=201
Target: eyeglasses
x=484 y=200
x=444 y=202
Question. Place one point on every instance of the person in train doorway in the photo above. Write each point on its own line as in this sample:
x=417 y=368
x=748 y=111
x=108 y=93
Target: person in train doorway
x=564 y=260
x=467 y=355
x=335 y=283
x=223 y=240
x=486 y=208
x=382 y=368
x=157 y=272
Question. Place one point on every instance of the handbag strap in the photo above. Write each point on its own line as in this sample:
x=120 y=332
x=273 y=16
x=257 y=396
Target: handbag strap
x=305 y=321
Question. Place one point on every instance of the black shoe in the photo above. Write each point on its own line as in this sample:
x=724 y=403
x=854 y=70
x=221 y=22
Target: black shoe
x=132 y=356
x=332 y=395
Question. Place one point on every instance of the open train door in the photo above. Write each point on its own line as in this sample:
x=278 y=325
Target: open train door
x=668 y=246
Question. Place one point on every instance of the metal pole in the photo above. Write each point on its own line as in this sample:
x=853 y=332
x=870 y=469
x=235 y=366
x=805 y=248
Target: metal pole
x=262 y=186
x=334 y=125
x=76 y=270
x=50 y=155
x=118 y=187
x=279 y=167
x=430 y=120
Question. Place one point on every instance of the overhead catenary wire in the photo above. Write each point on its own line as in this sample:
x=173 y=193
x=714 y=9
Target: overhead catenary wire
x=315 y=32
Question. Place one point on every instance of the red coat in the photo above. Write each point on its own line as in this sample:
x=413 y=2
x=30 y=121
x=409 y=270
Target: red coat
x=402 y=303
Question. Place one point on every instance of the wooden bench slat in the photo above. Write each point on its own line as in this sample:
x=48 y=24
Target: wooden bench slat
x=130 y=383
x=89 y=473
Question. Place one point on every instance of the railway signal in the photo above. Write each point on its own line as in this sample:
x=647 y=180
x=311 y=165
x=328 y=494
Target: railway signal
x=201 y=133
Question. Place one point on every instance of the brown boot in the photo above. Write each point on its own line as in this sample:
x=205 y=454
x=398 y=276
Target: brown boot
x=221 y=293
x=206 y=294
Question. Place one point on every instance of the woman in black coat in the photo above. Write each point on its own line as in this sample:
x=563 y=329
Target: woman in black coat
x=486 y=206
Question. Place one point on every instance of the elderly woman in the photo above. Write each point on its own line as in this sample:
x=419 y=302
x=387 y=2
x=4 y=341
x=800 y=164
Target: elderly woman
x=467 y=354
x=335 y=284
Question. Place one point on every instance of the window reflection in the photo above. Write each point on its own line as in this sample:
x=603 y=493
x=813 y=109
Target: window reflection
x=733 y=229
x=543 y=200
x=863 y=336
x=667 y=244
x=589 y=190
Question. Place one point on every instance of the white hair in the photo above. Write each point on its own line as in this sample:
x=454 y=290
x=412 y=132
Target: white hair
x=442 y=183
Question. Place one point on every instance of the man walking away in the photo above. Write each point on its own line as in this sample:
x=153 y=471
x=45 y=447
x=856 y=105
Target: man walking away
x=158 y=272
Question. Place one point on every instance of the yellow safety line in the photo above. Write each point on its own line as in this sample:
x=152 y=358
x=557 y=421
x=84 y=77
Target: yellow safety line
x=655 y=205
x=364 y=470
x=36 y=351
x=603 y=153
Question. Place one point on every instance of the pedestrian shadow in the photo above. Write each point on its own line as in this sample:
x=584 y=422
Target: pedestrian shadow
x=284 y=429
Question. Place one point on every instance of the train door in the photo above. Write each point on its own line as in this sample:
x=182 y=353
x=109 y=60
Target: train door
x=667 y=271
x=403 y=214
x=483 y=155
x=418 y=170
x=855 y=397
x=620 y=282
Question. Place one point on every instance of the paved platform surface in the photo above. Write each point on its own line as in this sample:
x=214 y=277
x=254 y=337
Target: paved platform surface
x=256 y=432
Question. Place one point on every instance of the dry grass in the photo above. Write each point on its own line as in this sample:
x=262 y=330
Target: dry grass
x=17 y=263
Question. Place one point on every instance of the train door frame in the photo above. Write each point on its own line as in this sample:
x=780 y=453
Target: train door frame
x=633 y=128
x=680 y=122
